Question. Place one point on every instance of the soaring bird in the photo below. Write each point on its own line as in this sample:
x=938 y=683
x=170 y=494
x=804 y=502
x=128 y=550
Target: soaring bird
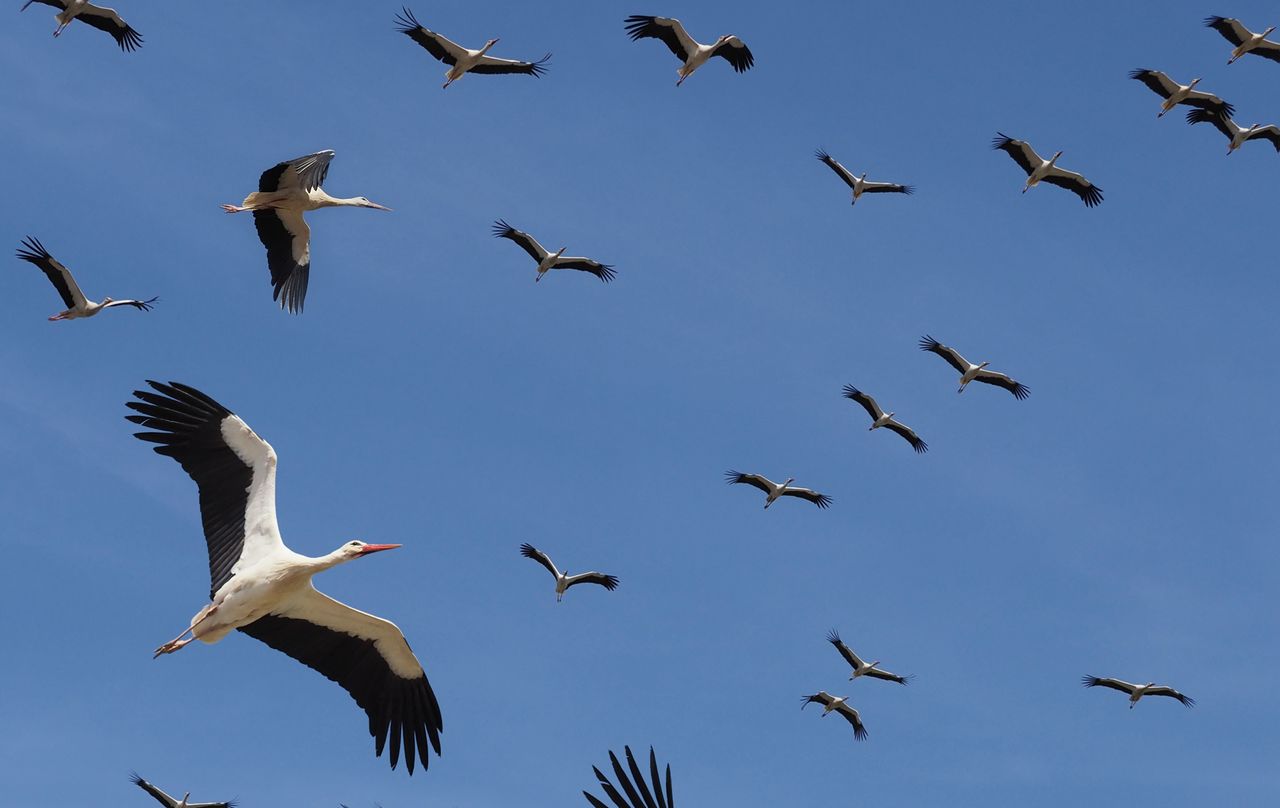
x=262 y=588
x=970 y=372
x=693 y=54
x=104 y=19
x=639 y=794
x=1236 y=134
x=548 y=261
x=1245 y=40
x=165 y=799
x=285 y=192
x=1041 y=170
x=463 y=60
x=860 y=668
x=880 y=418
x=775 y=490
x=840 y=705
x=563 y=580
x=77 y=304
x=1174 y=93
x=1136 y=692
x=859 y=185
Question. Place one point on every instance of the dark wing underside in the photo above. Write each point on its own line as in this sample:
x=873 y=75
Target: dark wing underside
x=635 y=792
x=735 y=52
x=413 y=29
x=508 y=67
x=33 y=251
x=288 y=275
x=642 y=27
x=928 y=343
x=1016 y=149
x=127 y=38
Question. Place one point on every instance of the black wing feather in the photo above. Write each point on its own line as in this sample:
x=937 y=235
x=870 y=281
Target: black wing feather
x=127 y=38
x=535 y=69
x=32 y=250
x=640 y=27
x=288 y=277
x=410 y=26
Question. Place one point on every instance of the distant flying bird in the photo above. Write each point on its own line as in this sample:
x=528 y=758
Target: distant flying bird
x=860 y=185
x=860 y=668
x=693 y=54
x=840 y=705
x=970 y=372
x=165 y=799
x=548 y=261
x=1136 y=692
x=77 y=304
x=104 y=19
x=463 y=60
x=880 y=418
x=563 y=580
x=285 y=192
x=639 y=794
x=1040 y=170
x=1174 y=93
x=1245 y=40
x=262 y=588
x=1234 y=132
x=774 y=490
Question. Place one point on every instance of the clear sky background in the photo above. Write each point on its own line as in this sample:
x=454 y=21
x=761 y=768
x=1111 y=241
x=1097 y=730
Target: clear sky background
x=1120 y=522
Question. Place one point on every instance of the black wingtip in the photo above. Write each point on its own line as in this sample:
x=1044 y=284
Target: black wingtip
x=1000 y=140
x=833 y=637
x=407 y=22
x=928 y=343
x=821 y=154
x=849 y=391
x=732 y=476
x=528 y=550
x=501 y=229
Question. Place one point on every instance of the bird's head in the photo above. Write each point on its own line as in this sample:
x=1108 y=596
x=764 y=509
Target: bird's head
x=1194 y=82
x=984 y=364
x=107 y=300
x=789 y=481
x=488 y=45
x=1269 y=30
x=873 y=664
x=355 y=549
x=363 y=202
x=1055 y=157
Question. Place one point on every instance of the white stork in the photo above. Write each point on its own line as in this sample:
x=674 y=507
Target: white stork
x=840 y=705
x=639 y=795
x=463 y=60
x=77 y=304
x=262 y=588
x=285 y=192
x=692 y=53
x=104 y=19
x=860 y=668
x=1174 y=93
x=775 y=490
x=970 y=372
x=1041 y=170
x=547 y=260
x=165 y=799
x=564 y=580
x=1236 y=134
x=859 y=185
x=1245 y=40
x=1136 y=692
x=880 y=418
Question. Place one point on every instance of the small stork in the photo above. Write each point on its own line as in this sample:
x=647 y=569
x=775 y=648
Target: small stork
x=548 y=260
x=859 y=185
x=1136 y=692
x=775 y=490
x=1041 y=170
x=840 y=705
x=77 y=304
x=1174 y=93
x=1236 y=134
x=970 y=372
x=880 y=418
x=861 y=668
x=693 y=53
x=165 y=799
x=104 y=19
x=564 y=580
x=639 y=795
x=1245 y=40
x=464 y=60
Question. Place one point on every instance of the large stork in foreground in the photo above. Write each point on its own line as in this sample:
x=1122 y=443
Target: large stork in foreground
x=639 y=794
x=970 y=372
x=548 y=260
x=1237 y=135
x=262 y=588
x=104 y=19
x=860 y=668
x=689 y=51
x=77 y=304
x=170 y=802
x=564 y=580
x=840 y=705
x=880 y=418
x=1136 y=692
x=1041 y=170
x=1174 y=93
x=464 y=60
x=1245 y=40
x=774 y=490
x=285 y=192
x=859 y=185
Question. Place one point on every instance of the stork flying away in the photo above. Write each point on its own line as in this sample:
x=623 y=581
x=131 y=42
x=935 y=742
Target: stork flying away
x=165 y=799
x=262 y=588
x=77 y=304
x=1245 y=40
x=104 y=19
x=693 y=54
x=1174 y=93
x=1234 y=132
x=879 y=418
x=285 y=192
x=1136 y=692
x=859 y=185
x=970 y=372
x=840 y=705
x=774 y=490
x=1040 y=170
x=463 y=60
x=548 y=261
x=639 y=795
x=861 y=668
x=563 y=580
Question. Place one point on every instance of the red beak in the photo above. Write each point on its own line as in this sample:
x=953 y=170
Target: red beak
x=375 y=548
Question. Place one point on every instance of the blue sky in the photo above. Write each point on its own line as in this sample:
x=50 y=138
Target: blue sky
x=1120 y=522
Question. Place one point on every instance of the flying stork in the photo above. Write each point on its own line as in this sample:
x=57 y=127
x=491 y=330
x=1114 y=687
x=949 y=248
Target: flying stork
x=1136 y=692
x=880 y=418
x=1245 y=40
x=548 y=261
x=840 y=705
x=1040 y=170
x=639 y=794
x=774 y=490
x=1236 y=134
x=463 y=60
x=77 y=304
x=693 y=54
x=564 y=580
x=262 y=588
x=165 y=799
x=1174 y=93
x=861 y=668
x=859 y=185
x=970 y=372
x=285 y=192
x=104 y=19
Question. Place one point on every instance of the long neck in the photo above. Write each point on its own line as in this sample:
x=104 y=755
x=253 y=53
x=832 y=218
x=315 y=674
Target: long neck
x=321 y=563
x=323 y=200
